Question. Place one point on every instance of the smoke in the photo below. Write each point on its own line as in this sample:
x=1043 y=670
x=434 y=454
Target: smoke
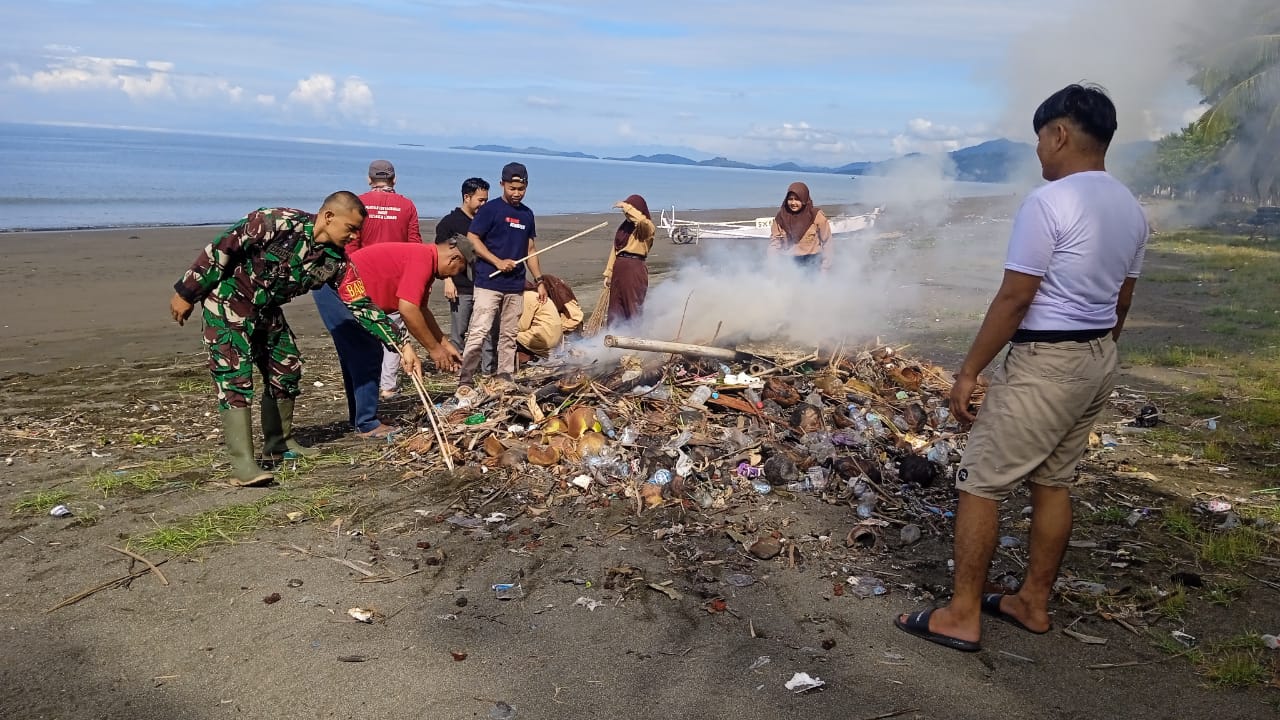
x=1144 y=53
x=1135 y=49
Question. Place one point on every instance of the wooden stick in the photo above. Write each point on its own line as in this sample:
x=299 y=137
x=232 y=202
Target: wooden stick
x=496 y=273
x=97 y=588
x=629 y=343
x=431 y=417
x=144 y=561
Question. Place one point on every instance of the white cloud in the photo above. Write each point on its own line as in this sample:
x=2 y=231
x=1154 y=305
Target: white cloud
x=540 y=101
x=321 y=94
x=265 y=100
x=137 y=79
x=925 y=136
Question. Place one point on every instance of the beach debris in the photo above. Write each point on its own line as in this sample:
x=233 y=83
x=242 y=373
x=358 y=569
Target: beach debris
x=272 y=599
x=588 y=603
x=60 y=511
x=1183 y=638
x=1086 y=639
x=362 y=615
x=803 y=682
x=759 y=662
x=501 y=711
x=1271 y=642
x=353 y=658
x=508 y=591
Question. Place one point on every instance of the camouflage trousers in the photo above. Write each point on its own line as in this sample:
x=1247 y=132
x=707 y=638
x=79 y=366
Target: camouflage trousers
x=236 y=344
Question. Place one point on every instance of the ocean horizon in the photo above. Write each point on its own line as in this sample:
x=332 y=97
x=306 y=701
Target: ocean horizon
x=61 y=177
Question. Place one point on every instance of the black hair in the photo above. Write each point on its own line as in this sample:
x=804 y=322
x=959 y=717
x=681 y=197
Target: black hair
x=472 y=185
x=1086 y=105
x=345 y=200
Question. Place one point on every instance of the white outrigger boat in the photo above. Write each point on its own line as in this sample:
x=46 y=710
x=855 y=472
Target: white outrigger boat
x=686 y=232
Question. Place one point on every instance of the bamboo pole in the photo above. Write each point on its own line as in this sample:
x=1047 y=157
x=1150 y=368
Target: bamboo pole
x=435 y=422
x=496 y=273
x=646 y=345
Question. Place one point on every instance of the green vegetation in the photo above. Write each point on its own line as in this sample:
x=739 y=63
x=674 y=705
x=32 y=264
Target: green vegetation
x=1225 y=592
x=137 y=438
x=1235 y=146
x=195 y=386
x=152 y=476
x=1236 y=662
x=227 y=525
x=1232 y=549
x=1110 y=516
x=41 y=503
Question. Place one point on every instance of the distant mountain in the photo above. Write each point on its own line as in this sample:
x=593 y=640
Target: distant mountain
x=525 y=151
x=661 y=158
x=992 y=161
x=995 y=161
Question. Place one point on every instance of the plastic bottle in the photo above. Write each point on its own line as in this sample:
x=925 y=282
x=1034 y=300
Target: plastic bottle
x=815 y=480
x=661 y=476
x=753 y=397
x=877 y=426
x=867 y=504
x=698 y=397
x=605 y=423
x=859 y=422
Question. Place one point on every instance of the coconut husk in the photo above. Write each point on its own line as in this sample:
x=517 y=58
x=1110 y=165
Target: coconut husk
x=420 y=443
x=591 y=443
x=544 y=455
x=907 y=377
x=579 y=420
x=781 y=392
x=493 y=447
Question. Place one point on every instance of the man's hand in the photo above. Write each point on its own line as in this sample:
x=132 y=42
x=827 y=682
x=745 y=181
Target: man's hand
x=961 y=394
x=409 y=361
x=450 y=290
x=180 y=309
x=542 y=293
x=505 y=265
x=446 y=357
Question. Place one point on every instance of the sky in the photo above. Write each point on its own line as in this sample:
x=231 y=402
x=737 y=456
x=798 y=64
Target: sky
x=753 y=80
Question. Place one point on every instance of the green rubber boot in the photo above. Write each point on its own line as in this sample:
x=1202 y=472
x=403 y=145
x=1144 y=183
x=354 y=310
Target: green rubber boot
x=277 y=430
x=237 y=427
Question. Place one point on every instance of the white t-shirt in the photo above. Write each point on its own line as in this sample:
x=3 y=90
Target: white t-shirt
x=1083 y=234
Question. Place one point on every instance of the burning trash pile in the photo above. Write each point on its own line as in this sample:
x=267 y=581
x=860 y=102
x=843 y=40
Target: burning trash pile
x=870 y=429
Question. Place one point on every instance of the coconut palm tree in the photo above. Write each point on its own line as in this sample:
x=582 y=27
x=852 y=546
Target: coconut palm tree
x=1240 y=79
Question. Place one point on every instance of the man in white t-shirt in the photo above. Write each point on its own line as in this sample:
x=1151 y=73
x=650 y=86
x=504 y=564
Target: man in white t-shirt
x=1074 y=256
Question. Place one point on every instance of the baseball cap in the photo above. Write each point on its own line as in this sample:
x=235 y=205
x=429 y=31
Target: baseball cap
x=382 y=170
x=515 y=171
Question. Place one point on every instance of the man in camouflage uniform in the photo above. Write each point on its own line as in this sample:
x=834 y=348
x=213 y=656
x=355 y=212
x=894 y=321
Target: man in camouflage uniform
x=241 y=281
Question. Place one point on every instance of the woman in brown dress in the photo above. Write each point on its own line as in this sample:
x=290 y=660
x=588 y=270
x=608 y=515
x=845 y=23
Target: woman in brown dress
x=626 y=275
x=801 y=231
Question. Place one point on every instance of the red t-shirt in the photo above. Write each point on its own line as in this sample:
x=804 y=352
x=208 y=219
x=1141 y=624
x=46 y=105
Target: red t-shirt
x=392 y=218
x=390 y=272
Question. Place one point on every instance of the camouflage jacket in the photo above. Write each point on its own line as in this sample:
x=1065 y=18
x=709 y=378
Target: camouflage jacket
x=269 y=258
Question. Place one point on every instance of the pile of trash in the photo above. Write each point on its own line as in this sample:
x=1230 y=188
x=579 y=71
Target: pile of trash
x=870 y=429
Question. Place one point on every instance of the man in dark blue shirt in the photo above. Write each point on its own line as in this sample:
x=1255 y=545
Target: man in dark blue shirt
x=502 y=233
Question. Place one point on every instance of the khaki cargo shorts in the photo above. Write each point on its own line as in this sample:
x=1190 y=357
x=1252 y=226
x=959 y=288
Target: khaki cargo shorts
x=1034 y=424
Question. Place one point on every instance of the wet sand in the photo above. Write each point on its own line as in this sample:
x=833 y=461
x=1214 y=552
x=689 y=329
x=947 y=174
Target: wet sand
x=101 y=296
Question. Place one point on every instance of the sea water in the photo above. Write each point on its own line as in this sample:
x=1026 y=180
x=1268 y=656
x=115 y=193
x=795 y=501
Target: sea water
x=58 y=177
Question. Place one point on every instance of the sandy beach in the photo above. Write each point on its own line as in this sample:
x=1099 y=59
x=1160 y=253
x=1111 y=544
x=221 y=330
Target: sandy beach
x=96 y=383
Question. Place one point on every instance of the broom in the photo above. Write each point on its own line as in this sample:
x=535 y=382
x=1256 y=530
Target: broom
x=598 y=316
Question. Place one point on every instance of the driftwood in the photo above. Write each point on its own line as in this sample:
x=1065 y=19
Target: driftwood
x=630 y=343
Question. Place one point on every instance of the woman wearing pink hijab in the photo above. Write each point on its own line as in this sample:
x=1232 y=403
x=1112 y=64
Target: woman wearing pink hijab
x=626 y=275
x=800 y=230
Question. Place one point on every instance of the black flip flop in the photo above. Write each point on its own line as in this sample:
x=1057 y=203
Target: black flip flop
x=991 y=606
x=917 y=624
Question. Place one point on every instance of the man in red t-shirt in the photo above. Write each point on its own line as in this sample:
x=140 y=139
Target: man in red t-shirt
x=395 y=277
x=392 y=218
